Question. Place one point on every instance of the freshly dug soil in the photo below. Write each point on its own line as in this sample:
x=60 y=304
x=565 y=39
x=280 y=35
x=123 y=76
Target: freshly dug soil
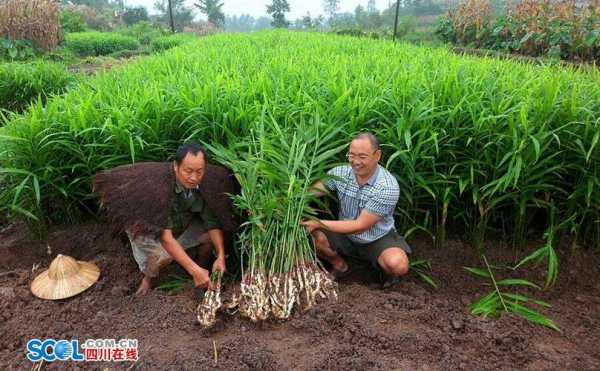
x=410 y=326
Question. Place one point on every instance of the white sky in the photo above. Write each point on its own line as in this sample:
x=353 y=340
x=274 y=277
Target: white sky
x=257 y=8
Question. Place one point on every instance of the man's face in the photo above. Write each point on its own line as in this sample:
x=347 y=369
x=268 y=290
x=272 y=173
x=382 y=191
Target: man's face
x=191 y=170
x=363 y=158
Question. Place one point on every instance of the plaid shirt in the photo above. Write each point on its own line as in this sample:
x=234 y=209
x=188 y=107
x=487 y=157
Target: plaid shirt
x=378 y=196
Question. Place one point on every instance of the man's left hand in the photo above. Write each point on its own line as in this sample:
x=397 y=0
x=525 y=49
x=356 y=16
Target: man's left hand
x=219 y=265
x=311 y=225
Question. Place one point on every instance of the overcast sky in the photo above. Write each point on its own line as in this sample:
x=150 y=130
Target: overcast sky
x=256 y=8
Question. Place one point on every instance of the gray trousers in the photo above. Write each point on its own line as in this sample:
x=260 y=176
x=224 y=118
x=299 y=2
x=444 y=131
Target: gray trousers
x=151 y=256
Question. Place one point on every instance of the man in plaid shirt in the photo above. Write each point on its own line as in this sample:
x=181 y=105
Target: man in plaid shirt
x=367 y=195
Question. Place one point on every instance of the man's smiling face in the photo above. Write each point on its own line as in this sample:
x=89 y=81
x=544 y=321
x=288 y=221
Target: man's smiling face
x=362 y=157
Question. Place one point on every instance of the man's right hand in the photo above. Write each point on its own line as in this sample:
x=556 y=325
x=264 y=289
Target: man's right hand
x=311 y=225
x=201 y=278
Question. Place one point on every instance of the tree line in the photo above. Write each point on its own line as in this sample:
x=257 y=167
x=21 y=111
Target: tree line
x=363 y=17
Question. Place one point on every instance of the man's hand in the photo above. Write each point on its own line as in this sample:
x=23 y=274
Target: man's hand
x=318 y=189
x=201 y=278
x=311 y=225
x=219 y=265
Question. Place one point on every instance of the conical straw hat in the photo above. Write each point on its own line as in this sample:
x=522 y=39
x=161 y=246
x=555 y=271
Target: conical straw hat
x=66 y=277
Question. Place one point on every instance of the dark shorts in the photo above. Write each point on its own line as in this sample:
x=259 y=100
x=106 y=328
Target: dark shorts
x=368 y=251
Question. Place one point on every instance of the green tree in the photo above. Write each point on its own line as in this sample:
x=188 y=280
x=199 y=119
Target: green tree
x=361 y=17
x=372 y=7
x=134 y=15
x=242 y=23
x=311 y=23
x=71 y=21
x=278 y=9
x=262 y=23
x=343 y=21
x=307 y=22
x=246 y=23
x=182 y=15
x=331 y=8
x=212 y=9
x=373 y=20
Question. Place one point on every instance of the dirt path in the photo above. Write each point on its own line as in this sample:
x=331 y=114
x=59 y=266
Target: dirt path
x=408 y=327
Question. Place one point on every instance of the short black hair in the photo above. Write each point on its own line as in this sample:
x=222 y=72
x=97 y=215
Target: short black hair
x=184 y=149
x=375 y=144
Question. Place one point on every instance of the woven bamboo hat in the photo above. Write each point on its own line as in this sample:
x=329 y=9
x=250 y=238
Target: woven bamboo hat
x=66 y=277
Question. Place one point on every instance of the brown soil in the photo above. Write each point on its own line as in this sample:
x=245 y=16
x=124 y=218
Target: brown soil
x=408 y=327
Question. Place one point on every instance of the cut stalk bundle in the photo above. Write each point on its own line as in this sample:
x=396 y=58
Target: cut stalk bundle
x=276 y=168
x=211 y=303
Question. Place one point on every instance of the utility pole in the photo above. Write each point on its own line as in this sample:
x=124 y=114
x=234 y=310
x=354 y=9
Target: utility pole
x=171 y=17
x=396 y=20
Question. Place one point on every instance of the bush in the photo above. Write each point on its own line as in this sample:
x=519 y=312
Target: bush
x=406 y=25
x=143 y=31
x=99 y=43
x=22 y=83
x=422 y=38
x=71 y=21
x=468 y=23
x=356 y=32
x=61 y=54
x=34 y=20
x=129 y=53
x=16 y=49
x=201 y=28
x=134 y=15
x=93 y=18
x=563 y=29
x=171 y=41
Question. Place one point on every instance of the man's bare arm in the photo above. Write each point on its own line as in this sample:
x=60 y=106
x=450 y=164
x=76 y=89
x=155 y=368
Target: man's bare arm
x=218 y=241
x=364 y=221
x=174 y=248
